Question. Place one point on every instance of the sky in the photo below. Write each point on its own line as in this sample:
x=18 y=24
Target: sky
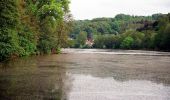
x=89 y=9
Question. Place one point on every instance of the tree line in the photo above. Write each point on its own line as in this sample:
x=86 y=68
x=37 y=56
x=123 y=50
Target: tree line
x=123 y=32
x=29 y=27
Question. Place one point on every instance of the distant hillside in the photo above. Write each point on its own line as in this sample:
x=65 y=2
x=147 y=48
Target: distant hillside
x=123 y=32
x=119 y=24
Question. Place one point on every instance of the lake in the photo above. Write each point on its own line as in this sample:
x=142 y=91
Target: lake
x=88 y=74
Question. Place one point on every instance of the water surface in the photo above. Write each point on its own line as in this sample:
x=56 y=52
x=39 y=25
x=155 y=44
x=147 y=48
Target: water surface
x=88 y=75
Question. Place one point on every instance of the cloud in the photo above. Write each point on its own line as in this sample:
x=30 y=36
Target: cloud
x=88 y=9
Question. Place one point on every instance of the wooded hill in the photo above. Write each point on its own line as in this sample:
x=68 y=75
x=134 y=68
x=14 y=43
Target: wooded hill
x=124 y=31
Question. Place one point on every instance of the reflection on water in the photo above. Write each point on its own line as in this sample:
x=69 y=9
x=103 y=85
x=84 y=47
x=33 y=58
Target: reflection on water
x=88 y=75
x=117 y=52
x=27 y=79
x=94 y=88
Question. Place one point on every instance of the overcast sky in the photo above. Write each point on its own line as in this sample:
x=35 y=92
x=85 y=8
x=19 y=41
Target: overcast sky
x=88 y=9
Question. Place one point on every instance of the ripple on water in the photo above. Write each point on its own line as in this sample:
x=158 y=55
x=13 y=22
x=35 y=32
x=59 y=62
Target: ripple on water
x=116 y=52
x=95 y=88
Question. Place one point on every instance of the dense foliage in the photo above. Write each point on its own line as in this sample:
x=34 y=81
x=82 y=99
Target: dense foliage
x=126 y=32
x=33 y=26
x=119 y=24
x=29 y=27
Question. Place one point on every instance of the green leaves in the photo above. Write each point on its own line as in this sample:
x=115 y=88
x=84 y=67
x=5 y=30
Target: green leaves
x=127 y=32
x=9 y=22
x=127 y=43
x=162 y=39
x=31 y=26
x=51 y=16
x=52 y=9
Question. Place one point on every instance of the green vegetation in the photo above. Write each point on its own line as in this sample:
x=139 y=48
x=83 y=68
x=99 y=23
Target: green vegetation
x=125 y=32
x=29 y=27
x=80 y=39
x=127 y=43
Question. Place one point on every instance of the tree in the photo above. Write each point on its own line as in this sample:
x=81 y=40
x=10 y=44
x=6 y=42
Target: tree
x=127 y=43
x=9 y=21
x=166 y=38
x=81 y=39
x=51 y=15
x=31 y=26
x=162 y=39
x=99 y=42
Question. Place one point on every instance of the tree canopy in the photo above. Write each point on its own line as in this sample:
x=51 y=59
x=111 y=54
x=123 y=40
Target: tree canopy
x=126 y=32
x=33 y=26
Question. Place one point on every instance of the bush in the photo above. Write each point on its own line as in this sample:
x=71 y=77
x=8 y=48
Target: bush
x=127 y=43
